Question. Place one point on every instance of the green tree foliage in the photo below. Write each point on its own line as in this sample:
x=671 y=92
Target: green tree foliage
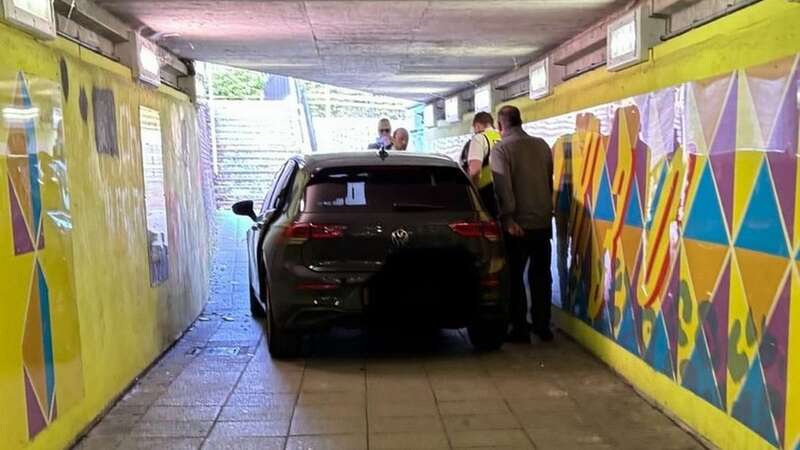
x=230 y=82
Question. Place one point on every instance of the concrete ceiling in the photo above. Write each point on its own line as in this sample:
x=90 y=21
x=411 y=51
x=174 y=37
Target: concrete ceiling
x=411 y=49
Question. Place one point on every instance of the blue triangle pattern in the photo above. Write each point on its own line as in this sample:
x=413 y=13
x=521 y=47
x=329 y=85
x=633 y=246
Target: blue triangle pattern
x=634 y=215
x=699 y=375
x=761 y=228
x=657 y=354
x=604 y=208
x=601 y=323
x=627 y=330
x=752 y=407
x=705 y=219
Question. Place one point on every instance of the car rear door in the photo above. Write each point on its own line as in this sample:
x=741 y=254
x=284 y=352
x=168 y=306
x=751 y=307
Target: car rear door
x=265 y=217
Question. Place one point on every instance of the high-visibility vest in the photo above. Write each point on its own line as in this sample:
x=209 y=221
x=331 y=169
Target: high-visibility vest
x=492 y=138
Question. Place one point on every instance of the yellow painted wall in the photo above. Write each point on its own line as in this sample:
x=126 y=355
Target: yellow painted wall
x=741 y=53
x=106 y=322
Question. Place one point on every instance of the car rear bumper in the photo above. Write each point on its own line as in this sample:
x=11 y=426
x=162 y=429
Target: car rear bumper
x=306 y=304
x=313 y=318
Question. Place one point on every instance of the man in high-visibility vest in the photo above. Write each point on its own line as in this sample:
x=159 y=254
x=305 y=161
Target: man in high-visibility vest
x=481 y=145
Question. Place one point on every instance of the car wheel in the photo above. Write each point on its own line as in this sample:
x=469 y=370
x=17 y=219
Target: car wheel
x=256 y=309
x=487 y=335
x=281 y=344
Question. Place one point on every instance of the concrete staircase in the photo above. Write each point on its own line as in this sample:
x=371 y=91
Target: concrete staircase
x=254 y=139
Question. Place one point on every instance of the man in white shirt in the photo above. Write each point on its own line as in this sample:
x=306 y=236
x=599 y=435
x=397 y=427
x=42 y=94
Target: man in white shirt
x=480 y=147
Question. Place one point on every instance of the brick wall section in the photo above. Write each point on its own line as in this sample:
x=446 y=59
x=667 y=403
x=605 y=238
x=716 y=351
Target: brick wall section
x=254 y=138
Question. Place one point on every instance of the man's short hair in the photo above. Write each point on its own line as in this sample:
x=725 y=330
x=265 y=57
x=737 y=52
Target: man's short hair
x=509 y=116
x=483 y=118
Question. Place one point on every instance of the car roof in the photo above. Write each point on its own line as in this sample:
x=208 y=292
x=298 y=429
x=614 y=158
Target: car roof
x=316 y=161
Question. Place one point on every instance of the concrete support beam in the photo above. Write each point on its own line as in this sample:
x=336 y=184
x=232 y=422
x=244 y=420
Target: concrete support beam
x=84 y=36
x=87 y=14
x=670 y=7
x=173 y=63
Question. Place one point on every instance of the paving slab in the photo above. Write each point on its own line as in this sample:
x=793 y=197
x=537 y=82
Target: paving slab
x=218 y=388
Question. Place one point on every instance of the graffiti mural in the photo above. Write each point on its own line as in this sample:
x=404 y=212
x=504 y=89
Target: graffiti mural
x=46 y=333
x=678 y=239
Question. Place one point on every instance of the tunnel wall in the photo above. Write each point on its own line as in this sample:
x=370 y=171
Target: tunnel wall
x=678 y=223
x=104 y=254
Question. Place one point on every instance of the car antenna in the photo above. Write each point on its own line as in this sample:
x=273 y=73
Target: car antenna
x=383 y=154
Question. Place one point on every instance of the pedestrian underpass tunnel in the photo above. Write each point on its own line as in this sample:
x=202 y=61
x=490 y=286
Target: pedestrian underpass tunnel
x=124 y=313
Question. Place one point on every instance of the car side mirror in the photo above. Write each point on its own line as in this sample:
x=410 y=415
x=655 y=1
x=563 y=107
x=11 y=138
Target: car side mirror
x=245 y=208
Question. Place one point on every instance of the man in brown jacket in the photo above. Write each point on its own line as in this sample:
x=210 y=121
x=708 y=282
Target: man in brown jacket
x=522 y=166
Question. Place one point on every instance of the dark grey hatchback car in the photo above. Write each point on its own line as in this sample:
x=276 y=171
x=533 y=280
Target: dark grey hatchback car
x=348 y=239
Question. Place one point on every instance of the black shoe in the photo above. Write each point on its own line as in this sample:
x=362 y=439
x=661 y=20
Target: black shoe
x=545 y=334
x=518 y=337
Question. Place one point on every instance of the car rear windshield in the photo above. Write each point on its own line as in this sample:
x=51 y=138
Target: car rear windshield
x=405 y=188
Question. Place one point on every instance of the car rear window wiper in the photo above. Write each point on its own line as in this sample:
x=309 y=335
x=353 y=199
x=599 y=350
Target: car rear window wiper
x=415 y=207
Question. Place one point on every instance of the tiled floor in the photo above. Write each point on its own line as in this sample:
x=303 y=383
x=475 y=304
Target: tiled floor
x=218 y=388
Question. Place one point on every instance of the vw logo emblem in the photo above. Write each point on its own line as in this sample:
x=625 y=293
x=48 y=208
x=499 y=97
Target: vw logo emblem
x=400 y=237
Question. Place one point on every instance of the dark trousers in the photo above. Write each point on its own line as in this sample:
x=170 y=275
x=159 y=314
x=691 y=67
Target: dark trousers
x=534 y=246
x=489 y=200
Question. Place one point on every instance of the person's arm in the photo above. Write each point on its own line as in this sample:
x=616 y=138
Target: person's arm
x=475 y=158
x=506 y=203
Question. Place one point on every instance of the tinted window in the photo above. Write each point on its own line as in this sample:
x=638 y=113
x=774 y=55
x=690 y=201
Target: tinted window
x=388 y=189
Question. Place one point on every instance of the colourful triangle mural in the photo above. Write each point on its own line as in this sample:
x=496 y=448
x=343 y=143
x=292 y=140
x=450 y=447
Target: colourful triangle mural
x=725 y=131
x=705 y=263
x=723 y=166
x=783 y=168
x=627 y=331
x=36 y=418
x=669 y=311
x=752 y=406
x=715 y=326
x=22 y=237
x=705 y=221
x=698 y=375
x=662 y=178
x=761 y=228
x=710 y=97
x=634 y=215
x=761 y=277
x=742 y=334
x=774 y=351
x=767 y=88
x=604 y=206
x=658 y=354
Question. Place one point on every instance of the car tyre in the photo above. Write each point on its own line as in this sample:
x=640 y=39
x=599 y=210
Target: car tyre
x=256 y=309
x=487 y=336
x=281 y=343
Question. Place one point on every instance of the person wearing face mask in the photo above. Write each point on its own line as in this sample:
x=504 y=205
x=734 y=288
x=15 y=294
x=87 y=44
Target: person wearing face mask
x=384 y=140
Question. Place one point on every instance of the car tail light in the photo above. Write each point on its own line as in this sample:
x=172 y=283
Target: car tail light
x=317 y=286
x=299 y=232
x=488 y=229
x=490 y=281
x=327 y=231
